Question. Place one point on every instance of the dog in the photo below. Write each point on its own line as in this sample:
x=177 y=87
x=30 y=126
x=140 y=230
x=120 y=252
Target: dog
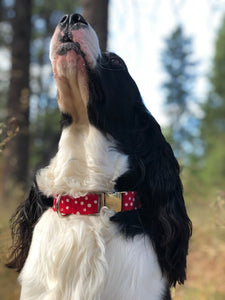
x=106 y=219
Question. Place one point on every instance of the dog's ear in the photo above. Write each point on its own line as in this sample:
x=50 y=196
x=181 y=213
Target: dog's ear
x=116 y=108
x=155 y=174
x=161 y=195
x=22 y=224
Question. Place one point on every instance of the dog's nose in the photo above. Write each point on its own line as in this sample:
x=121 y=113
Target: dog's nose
x=76 y=18
x=64 y=21
x=71 y=20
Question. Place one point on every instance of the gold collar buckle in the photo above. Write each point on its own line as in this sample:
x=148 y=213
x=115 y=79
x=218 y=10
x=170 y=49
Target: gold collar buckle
x=112 y=200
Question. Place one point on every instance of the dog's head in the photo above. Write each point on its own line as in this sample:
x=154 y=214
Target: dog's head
x=74 y=49
x=92 y=86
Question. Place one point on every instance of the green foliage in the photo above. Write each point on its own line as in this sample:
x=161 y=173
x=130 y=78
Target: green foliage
x=218 y=72
x=179 y=66
x=44 y=134
x=44 y=116
x=44 y=127
x=213 y=123
x=177 y=63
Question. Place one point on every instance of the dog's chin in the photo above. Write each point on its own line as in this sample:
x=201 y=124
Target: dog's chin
x=64 y=48
x=67 y=63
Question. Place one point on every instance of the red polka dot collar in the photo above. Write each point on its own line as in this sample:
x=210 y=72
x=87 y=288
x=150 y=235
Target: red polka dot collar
x=92 y=203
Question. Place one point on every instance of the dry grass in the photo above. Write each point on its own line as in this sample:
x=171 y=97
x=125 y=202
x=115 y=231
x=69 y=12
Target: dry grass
x=9 y=287
x=206 y=260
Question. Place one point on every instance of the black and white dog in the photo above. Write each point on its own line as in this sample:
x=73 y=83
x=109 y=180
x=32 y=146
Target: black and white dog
x=106 y=219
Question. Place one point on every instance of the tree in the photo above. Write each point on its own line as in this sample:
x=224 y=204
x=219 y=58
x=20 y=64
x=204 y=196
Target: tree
x=213 y=123
x=44 y=125
x=43 y=110
x=179 y=67
x=96 y=13
x=17 y=151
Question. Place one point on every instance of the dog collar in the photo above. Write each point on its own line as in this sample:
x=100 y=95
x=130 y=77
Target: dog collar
x=92 y=203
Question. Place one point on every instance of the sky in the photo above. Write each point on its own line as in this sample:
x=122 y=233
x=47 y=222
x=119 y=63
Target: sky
x=137 y=32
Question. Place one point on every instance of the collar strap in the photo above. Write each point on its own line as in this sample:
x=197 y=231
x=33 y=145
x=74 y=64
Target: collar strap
x=92 y=203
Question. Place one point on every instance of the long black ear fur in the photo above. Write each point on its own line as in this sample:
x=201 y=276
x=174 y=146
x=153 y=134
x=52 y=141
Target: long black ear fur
x=170 y=226
x=154 y=171
x=22 y=224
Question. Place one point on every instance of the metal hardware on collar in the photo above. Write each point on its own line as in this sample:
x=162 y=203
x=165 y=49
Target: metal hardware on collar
x=91 y=204
x=57 y=205
x=112 y=200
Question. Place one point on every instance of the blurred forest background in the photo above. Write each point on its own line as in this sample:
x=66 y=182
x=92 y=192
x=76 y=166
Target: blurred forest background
x=29 y=129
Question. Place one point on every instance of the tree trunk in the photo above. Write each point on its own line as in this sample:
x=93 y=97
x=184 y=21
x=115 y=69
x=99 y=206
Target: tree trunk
x=16 y=153
x=96 y=13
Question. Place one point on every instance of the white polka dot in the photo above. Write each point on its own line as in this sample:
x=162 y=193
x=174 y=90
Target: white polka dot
x=126 y=204
x=62 y=201
x=95 y=201
x=67 y=200
x=133 y=199
x=67 y=207
x=129 y=198
x=126 y=193
x=132 y=192
x=89 y=205
x=75 y=202
x=86 y=198
x=131 y=204
x=82 y=203
x=78 y=213
x=84 y=209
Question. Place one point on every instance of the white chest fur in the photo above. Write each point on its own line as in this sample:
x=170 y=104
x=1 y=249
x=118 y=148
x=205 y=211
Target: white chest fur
x=87 y=161
x=85 y=258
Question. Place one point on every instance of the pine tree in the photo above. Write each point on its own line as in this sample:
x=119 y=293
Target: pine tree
x=179 y=67
x=17 y=153
x=213 y=123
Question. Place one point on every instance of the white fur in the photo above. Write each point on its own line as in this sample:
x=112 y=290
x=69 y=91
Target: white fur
x=85 y=258
x=86 y=162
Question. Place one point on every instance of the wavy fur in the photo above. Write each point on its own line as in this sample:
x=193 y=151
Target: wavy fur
x=22 y=225
x=109 y=142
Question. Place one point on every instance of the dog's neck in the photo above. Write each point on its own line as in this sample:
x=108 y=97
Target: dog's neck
x=73 y=94
x=86 y=161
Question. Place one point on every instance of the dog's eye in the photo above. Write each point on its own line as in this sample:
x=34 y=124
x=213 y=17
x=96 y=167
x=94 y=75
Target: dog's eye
x=117 y=63
x=112 y=61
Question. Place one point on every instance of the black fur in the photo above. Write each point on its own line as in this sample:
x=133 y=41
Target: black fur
x=66 y=120
x=115 y=107
x=167 y=295
x=22 y=225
